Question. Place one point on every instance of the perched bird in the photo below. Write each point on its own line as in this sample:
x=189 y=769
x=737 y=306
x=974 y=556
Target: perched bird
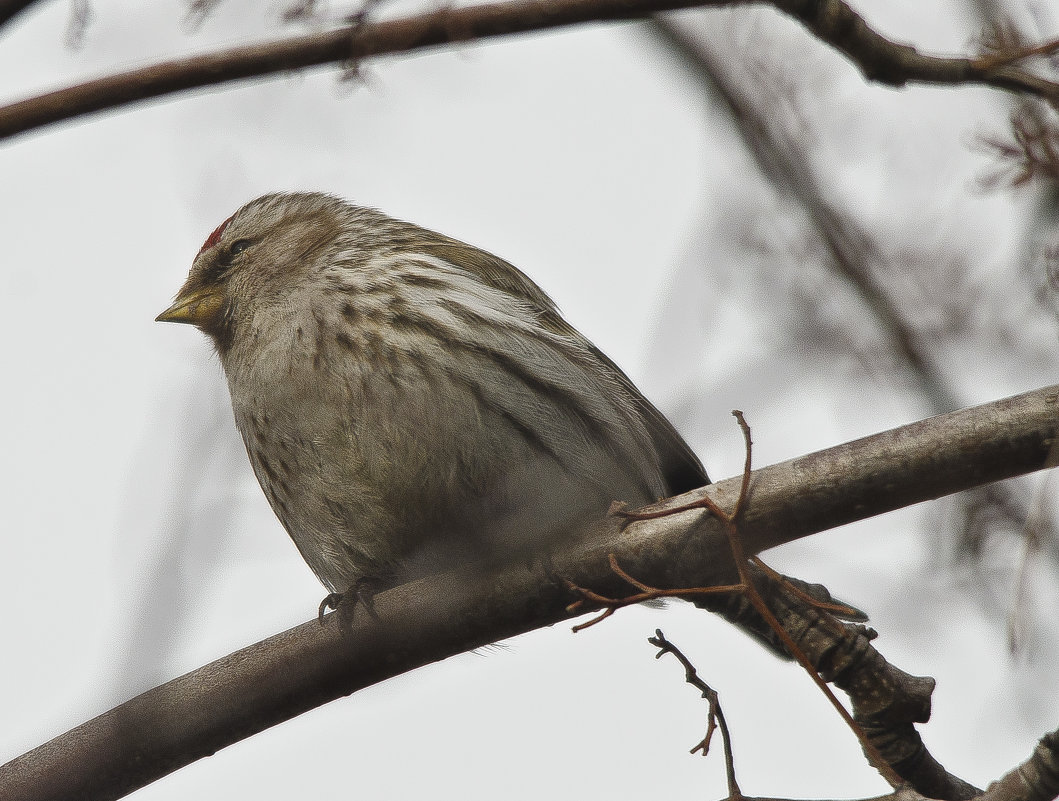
x=410 y=402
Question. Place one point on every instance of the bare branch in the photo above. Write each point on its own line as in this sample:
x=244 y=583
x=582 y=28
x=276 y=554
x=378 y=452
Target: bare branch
x=885 y=61
x=1032 y=151
x=886 y=701
x=830 y=20
x=349 y=44
x=428 y=620
x=715 y=715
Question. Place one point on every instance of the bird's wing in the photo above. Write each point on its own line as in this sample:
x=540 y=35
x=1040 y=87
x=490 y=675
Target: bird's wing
x=681 y=467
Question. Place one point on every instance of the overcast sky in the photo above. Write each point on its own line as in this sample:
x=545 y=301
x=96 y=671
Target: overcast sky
x=138 y=546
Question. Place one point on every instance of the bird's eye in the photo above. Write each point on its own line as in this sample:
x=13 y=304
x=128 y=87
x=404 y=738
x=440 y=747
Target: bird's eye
x=223 y=263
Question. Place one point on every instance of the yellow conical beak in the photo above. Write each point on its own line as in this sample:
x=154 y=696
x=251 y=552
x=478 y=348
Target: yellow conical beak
x=196 y=307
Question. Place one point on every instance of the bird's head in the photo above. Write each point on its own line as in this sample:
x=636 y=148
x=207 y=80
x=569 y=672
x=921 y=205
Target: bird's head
x=255 y=260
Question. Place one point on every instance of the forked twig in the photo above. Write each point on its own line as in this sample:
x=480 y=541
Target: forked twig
x=991 y=61
x=647 y=593
x=745 y=586
x=715 y=719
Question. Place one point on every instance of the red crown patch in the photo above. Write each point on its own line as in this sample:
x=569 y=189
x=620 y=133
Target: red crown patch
x=215 y=237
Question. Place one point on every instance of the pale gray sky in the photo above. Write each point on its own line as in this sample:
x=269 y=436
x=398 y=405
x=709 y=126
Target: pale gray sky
x=138 y=546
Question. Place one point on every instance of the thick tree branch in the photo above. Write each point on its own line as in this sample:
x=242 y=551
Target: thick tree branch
x=830 y=20
x=425 y=621
x=886 y=701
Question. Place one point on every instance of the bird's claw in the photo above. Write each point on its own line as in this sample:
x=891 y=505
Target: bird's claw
x=361 y=593
x=332 y=601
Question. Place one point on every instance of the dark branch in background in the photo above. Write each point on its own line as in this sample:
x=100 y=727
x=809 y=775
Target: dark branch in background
x=888 y=62
x=200 y=9
x=415 y=624
x=10 y=8
x=340 y=46
x=855 y=254
x=1028 y=153
x=1034 y=150
x=830 y=20
x=77 y=25
x=852 y=249
x=299 y=11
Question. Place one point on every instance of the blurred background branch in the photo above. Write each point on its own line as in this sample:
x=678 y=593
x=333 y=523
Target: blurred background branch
x=11 y=8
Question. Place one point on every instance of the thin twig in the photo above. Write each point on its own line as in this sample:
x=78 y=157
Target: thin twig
x=735 y=544
x=997 y=59
x=749 y=590
x=715 y=715
x=844 y=611
x=748 y=448
x=647 y=593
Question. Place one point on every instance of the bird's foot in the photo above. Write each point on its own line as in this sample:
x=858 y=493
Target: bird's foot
x=331 y=601
x=362 y=593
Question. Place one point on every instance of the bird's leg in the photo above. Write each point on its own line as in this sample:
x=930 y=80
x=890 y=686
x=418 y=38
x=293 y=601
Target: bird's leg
x=330 y=601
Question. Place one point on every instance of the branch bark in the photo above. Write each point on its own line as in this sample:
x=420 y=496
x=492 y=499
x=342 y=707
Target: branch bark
x=241 y=694
x=832 y=21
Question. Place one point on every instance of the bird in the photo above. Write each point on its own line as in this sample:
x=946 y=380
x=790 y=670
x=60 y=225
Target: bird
x=409 y=402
